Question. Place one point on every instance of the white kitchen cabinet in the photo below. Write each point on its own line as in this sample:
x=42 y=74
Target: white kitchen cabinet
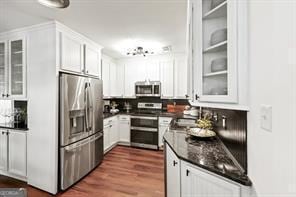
x=113 y=79
x=17 y=68
x=180 y=78
x=173 y=179
x=17 y=153
x=124 y=130
x=13 y=153
x=106 y=77
x=72 y=58
x=167 y=78
x=152 y=70
x=13 y=67
x=111 y=135
x=114 y=136
x=214 y=83
x=3 y=150
x=196 y=182
x=3 y=68
x=92 y=60
x=164 y=124
x=106 y=136
x=133 y=73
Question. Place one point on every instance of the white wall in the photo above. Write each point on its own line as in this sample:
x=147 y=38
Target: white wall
x=272 y=155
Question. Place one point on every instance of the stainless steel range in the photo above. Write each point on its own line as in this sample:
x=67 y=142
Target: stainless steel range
x=144 y=126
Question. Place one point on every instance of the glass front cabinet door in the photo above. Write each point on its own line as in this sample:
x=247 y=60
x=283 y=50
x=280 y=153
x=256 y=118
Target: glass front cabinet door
x=214 y=24
x=3 y=69
x=17 y=68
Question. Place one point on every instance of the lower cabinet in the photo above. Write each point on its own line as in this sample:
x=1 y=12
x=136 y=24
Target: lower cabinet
x=164 y=124
x=173 y=179
x=124 y=129
x=187 y=180
x=197 y=183
x=13 y=153
x=116 y=131
x=110 y=133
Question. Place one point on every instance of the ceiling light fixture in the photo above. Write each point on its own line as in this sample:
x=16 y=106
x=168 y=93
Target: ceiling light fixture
x=139 y=51
x=55 y=3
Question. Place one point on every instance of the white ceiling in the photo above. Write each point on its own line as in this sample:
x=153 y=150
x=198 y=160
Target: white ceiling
x=107 y=22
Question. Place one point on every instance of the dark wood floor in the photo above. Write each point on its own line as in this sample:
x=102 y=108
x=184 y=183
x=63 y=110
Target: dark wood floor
x=124 y=172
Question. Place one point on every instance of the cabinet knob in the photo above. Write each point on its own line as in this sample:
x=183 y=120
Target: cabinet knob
x=3 y=95
x=3 y=132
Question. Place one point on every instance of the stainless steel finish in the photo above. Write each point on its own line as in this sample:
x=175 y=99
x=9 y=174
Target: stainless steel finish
x=149 y=105
x=155 y=147
x=55 y=3
x=153 y=85
x=144 y=117
x=81 y=127
x=72 y=100
x=145 y=129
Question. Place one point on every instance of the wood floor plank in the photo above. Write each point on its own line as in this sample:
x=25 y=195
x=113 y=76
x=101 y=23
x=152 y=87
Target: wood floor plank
x=125 y=172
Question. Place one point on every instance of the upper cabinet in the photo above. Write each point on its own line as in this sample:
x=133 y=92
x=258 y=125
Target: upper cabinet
x=79 y=55
x=215 y=34
x=92 y=60
x=170 y=70
x=71 y=53
x=13 y=68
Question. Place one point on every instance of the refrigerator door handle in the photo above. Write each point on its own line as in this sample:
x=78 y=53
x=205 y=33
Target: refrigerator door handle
x=74 y=147
x=90 y=108
x=86 y=106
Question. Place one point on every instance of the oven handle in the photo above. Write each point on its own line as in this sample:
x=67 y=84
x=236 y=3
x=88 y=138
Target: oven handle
x=144 y=117
x=145 y=129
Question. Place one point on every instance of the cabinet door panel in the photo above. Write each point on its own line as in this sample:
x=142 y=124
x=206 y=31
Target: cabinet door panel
x=3 y=151
x=167 y=78
x=71 y=53
x=133 y=73
x=3 y=68
x=17 y=154
x=152 y=71
x=17 y=67
x=173 y=188
x=113 y=79
x=200 y=184
x=92 y=61
x=106 y=137
x=124 y=131
x=106 y=77
x=181 y=79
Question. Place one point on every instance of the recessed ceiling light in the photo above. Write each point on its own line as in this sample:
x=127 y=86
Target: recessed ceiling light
x=55 y=3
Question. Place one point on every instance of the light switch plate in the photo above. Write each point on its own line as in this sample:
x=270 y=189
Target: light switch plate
x=266 y=117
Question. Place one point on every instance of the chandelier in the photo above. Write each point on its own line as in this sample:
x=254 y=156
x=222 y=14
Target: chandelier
x=139 y=51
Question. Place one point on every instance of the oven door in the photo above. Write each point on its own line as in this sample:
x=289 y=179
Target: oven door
x=144 y=137
x=144 y=121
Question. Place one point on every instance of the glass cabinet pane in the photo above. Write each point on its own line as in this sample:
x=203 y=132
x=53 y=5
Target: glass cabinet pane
x=16 y=52
x=2 y=68
x=214 y=36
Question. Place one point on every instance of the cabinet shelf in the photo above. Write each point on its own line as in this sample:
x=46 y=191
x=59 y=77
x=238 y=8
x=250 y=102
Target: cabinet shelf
x=222 y=46
x=219 y=11
x=17 y=65
x=17 y=52
x=224 y=72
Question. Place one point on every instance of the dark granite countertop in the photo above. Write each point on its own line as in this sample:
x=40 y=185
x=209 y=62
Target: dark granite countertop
x=207 y=154
x=12 y=126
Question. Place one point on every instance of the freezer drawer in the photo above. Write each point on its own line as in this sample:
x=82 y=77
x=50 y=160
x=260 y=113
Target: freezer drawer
x=75 y=162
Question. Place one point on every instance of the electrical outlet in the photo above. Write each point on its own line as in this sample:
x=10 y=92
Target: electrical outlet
x=266 y=117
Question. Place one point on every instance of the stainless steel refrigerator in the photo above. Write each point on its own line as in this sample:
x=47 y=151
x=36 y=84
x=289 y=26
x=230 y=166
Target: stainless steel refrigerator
x=81 y=127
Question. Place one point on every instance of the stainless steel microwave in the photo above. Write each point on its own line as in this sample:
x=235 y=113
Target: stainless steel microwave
x=148 y=88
